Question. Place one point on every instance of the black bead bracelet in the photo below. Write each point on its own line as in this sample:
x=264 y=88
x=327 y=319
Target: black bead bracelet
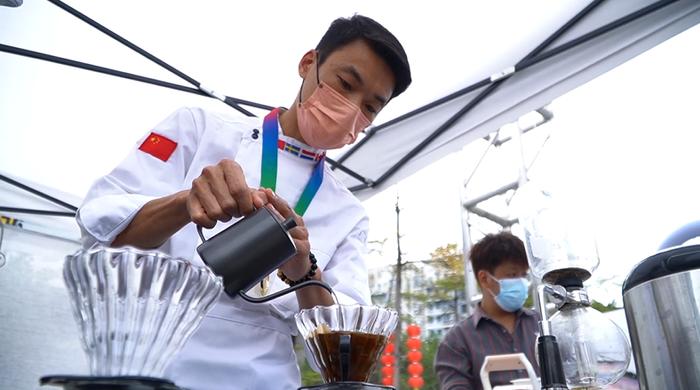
x=307 y=277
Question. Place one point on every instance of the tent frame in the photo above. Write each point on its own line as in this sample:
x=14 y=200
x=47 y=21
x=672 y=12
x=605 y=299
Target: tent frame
x=471 y=205
x=489 y=84
x=492 y=83
x=43 y=195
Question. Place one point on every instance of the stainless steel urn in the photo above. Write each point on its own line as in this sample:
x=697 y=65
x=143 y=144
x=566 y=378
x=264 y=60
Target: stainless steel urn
x=662 y=303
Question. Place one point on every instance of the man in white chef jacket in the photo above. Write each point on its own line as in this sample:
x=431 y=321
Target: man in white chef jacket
x=201 y=168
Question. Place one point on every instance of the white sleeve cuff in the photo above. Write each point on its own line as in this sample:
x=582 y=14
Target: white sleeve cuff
x=102 y=219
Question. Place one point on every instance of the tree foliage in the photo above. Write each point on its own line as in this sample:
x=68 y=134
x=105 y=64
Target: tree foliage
x=429 y=349
x=604 y=308
x=309 y=377
x=449 y=264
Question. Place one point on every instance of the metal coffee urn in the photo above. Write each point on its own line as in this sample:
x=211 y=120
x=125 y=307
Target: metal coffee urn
x=662 y=304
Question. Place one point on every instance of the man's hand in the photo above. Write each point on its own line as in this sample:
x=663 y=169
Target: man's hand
x=298 y=266
x=221 y=193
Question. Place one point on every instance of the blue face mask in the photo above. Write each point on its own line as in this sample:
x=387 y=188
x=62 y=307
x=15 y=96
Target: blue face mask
x=513 y=293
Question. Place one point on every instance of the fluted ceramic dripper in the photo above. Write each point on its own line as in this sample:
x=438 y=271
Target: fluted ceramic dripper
x=346 y=340
x=136 y=309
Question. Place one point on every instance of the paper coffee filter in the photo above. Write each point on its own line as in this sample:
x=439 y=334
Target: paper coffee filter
x=322 y=328
x=351 y=318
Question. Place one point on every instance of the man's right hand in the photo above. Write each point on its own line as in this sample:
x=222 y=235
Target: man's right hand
x=221 y=193
x=218 y=194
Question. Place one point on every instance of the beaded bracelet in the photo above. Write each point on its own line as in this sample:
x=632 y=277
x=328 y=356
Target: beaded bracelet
x=307 y=277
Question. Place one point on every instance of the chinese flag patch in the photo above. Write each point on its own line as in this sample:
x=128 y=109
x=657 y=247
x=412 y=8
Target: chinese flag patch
x=158 y=146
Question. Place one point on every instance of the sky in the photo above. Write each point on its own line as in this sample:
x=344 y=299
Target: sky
x=621 y=147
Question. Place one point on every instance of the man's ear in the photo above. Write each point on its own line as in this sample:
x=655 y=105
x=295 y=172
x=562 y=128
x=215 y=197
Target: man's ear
x=482 y=278
x=306 y=62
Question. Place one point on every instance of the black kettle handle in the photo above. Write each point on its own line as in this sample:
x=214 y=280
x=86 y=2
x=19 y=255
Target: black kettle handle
x=285 y=291
x=201 y=234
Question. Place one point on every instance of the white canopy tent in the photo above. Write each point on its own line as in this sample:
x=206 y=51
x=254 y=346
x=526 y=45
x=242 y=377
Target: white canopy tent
x=600 y=37
x=574 y=42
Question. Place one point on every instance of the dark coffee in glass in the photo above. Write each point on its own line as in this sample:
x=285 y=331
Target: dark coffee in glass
x=355 y=363
x=346 y=341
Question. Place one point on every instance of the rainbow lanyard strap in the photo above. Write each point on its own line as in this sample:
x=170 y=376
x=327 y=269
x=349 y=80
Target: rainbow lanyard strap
x=268 y=166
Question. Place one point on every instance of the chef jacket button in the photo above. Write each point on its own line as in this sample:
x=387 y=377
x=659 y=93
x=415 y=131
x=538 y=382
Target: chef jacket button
x=255 y=133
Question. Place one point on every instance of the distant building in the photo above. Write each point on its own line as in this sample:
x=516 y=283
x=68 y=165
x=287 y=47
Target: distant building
x=432 y=310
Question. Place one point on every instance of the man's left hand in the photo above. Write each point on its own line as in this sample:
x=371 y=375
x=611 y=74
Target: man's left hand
x=298 y=266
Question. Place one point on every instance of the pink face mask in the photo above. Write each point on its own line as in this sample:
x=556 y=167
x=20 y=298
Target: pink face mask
x=328 y=120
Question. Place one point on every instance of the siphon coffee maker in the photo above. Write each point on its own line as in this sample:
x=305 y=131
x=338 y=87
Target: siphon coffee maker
x=345 y=342
x=578 y=347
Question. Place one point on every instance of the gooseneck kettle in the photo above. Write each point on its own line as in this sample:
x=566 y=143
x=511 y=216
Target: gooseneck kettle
x=250 y=249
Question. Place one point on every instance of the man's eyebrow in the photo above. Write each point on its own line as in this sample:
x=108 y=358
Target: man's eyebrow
x=381 y=99
x=356 y=75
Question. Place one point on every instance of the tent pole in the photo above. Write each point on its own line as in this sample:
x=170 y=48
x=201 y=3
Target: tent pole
x=482 y=83
x=441 y=129
x=413 y=113
x=527 y=62
x=335 y=164
x=38 y=212
x=146 y=54
x=37 y=193
x=358 y=188
x=117 y=73
x=531 y=59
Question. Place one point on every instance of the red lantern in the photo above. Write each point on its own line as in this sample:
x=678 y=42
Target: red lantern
x=413 y=330
x=414 y=356
x=387 y=360
x=387 y=371
x=416 y=382
x=389 y=348
x=415 y=369
x=388 y=380
x=413 y=343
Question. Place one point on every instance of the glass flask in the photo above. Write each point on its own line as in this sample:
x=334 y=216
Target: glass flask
x=594 y=350
x=558 y=239
x=136 y=309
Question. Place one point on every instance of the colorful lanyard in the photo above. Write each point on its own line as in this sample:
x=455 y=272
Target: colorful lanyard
x=268 y=168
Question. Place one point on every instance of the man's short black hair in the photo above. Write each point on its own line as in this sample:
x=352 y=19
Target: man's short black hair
x=346 y=30
x=496 y=249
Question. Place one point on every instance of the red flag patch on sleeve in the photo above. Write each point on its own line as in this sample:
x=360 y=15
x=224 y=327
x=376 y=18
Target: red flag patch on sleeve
x=158 y=146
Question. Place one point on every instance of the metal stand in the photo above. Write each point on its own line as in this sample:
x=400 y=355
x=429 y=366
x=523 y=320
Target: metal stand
x=551 y=370
x=570 y=293
x=472 y=206
x=74 y=382
x=347 y=386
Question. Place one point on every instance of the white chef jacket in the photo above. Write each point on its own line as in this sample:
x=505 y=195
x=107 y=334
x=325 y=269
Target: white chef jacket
x=239 y=345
